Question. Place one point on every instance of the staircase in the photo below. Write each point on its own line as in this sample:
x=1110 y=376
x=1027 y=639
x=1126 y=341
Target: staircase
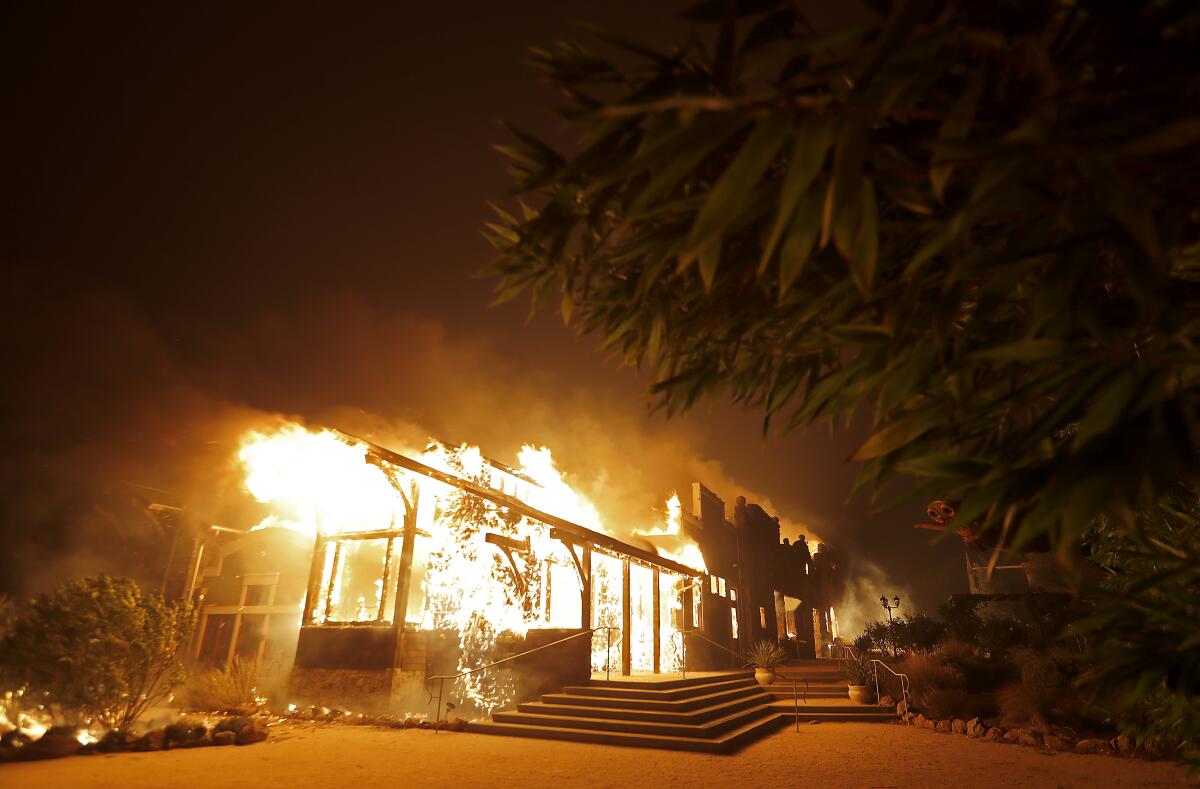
x=712 y=712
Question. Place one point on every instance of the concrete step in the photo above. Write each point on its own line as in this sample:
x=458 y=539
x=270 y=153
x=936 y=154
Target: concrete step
x=652 y=683
x=811 y=694
x=723 y=743
x=695 y=716
x=707 y=729
x=620 y=690
x=663 y=705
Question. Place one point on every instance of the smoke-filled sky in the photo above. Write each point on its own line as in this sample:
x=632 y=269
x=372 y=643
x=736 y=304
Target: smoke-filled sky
x=216 y=214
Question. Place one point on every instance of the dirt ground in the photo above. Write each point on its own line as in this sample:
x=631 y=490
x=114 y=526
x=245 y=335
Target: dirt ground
x=825 y=755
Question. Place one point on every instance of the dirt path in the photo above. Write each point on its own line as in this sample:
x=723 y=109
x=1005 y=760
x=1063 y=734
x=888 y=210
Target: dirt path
x=825 y=755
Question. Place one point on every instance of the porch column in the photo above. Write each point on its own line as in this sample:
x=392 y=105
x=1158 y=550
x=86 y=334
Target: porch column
x=626 y=658
x=585 y=615
x=657 y=626
x=404 y=573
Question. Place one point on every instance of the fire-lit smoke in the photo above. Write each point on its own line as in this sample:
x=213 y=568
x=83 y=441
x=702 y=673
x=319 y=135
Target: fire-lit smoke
x=142 y=416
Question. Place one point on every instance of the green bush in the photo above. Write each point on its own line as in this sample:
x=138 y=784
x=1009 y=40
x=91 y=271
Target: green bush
x=97 y=648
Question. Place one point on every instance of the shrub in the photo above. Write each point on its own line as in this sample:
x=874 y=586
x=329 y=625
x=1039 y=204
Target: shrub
x=98 y=648
x=998 y=634
x=951 y=703
x=927 y=675
x=1021 y=704
x=961 y=615
x=1038 y=671
x=224 y=689
x=955 y=652
x=765 y=655
x=918 y=633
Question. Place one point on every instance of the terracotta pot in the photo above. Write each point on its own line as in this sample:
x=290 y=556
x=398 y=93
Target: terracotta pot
x=765 y=676
x=861 y=694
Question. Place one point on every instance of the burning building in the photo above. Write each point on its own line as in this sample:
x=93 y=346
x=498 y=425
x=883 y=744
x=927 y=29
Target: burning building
x=441 y=562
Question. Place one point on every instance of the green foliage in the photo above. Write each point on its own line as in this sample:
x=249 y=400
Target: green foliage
x=977 y=219
x=97 y=648
x=998 y=634
x=1143 y=638
x=909 y=633
x=961 y=615
x=765 y=654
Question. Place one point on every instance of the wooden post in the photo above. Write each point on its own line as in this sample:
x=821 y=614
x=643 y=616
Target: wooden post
x=585 y=612
x=404 y=572
x=314 y=581
x=626 y=616
x=657 y=596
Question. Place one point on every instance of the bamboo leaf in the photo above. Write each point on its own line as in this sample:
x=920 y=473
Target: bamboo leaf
x=734 y=186
x=955 y=127
x=847 y=168
x=813 y=138
x=897 y=434
x=802 y=235
x=866 y=247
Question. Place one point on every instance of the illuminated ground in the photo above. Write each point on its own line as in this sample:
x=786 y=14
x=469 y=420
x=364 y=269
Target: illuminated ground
x=825 y=755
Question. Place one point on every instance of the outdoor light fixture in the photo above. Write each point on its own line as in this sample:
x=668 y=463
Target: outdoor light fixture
x=892 y=606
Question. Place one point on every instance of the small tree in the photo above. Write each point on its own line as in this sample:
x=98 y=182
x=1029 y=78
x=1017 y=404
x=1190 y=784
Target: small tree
x=98 y=648
x=919 y=633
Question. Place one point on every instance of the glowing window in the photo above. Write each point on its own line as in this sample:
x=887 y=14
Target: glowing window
x=806 y=568
x=713 y=583
x=721 y=586
x=733 y=621
x=696 y=595
x=733 y=594
x=762 y=617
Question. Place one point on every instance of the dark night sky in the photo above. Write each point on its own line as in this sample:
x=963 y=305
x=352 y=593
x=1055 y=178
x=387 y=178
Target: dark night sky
x=233 y=208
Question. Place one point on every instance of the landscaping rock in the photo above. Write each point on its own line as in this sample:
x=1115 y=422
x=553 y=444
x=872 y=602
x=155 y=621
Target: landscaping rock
x=887 y=701
x=975 y=728
x=455 y=724
x=411 y=723
x=251 y=733
x=1029 y=737
x=1012 y=736
x=15 y=740
x=1123 y=745
x=152 y=740
x=958 y=726
x=224 y=738
x=1091 y=746
x=943 y=726
x=54 y=744
x=185 y=735
x=919 y=720
x=1056 y=743
x=994 y=734
x=902 y=708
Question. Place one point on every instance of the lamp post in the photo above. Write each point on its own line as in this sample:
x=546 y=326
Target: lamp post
x=891 y=606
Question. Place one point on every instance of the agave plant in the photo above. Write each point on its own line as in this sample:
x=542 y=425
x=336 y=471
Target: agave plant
x=765 y=655
x=858 y=668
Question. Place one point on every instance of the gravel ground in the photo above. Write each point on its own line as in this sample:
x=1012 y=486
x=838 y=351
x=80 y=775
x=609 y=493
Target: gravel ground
x=826 y=755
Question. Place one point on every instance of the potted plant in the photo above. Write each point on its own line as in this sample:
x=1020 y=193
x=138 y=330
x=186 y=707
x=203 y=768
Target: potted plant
x=859 y=673
x=764 y=656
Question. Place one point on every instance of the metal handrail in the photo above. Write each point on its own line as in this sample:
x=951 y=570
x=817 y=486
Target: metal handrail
x=443 y=677
x=904 y=681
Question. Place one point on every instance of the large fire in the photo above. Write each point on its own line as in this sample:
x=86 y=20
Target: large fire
x=322 y=483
